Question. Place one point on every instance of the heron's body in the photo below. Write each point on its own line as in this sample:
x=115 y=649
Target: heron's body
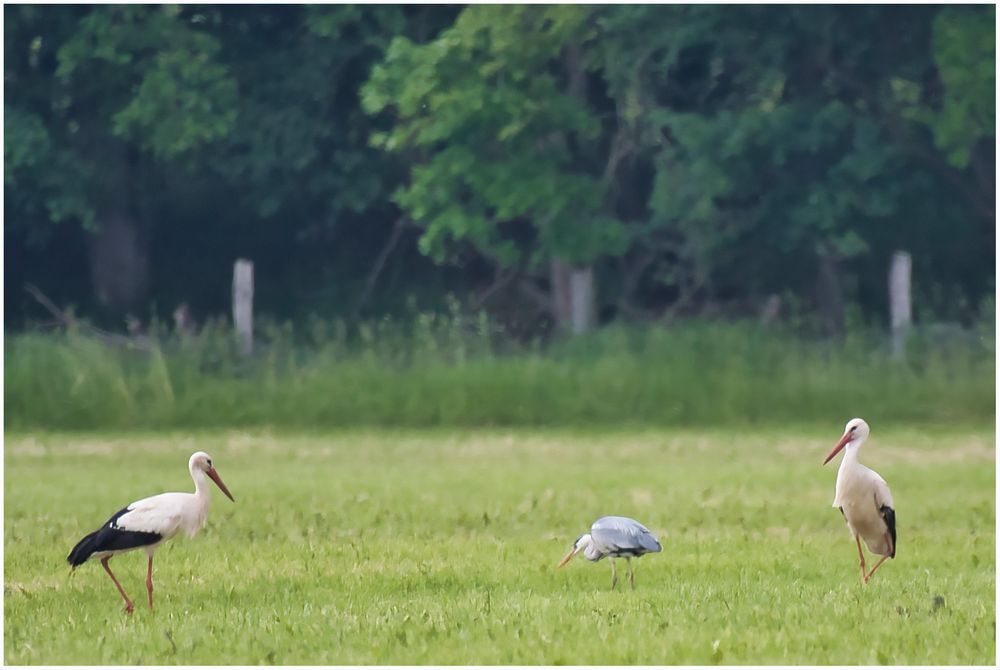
x=615 y=537
x=619 y=537
x=864 y=499
x=148 y=523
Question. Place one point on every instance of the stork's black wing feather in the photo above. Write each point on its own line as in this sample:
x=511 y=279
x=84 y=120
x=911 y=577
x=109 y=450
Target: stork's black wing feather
x=110 y=538
x=889 y=515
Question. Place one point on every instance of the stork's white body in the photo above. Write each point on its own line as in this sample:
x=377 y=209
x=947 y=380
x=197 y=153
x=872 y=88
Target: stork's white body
x=864 y=499
x=170 y=513
x=861 y=494
x=148 y=523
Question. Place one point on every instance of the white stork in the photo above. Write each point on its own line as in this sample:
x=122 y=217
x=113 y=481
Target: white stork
x=147 y=523
x=864 y=499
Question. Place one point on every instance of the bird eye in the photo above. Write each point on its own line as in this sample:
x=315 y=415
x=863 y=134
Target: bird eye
x=210 y=462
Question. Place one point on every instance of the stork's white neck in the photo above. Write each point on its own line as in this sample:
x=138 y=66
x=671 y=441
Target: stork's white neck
x=851 y=453
x=201 y=488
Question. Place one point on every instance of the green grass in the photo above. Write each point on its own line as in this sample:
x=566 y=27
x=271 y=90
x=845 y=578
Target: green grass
x=464 y=375
x=440 y=547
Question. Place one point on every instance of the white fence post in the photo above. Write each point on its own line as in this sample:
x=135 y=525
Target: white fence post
x=900 y=306
x=243 y=303
x=581 y=296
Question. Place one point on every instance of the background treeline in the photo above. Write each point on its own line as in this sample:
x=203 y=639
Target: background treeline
x=636 y=162
x=429 y=194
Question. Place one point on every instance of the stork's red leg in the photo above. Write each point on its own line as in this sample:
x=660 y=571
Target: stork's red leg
x=881 y=560
x=149 y=581
x=128 y=603
x=861 y=555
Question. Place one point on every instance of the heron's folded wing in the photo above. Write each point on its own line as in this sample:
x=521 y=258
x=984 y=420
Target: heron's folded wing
x=623 y=533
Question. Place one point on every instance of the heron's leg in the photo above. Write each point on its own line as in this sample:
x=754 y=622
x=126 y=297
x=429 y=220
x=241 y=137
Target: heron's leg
x=614 y=574
x=631 y=572
x=149 y=581
x=128 y=603
x=861 y=555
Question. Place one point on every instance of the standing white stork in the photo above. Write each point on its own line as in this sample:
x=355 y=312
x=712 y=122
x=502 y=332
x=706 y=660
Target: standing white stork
x=864 y=499
x=614 y=537
x=147 y=523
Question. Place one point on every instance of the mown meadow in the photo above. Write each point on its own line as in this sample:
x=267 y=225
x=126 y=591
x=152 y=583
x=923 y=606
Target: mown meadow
x=440 y=546
x=404 y=497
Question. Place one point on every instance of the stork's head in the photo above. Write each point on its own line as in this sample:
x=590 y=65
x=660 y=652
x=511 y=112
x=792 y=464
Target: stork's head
x=855 y=432
x=581 y=543
x=202 y=462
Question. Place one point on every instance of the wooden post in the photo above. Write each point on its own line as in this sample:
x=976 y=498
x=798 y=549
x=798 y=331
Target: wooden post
x=243 y=303
x=561 y=302
x=581 y=295
x=900 y=307
x=572 y=296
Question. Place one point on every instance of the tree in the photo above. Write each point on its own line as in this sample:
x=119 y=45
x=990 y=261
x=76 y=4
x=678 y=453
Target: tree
x=964 y=51
x=513 y=158
x=779 y=149
x=176 y=142
x=114 y=95
x=548 y=163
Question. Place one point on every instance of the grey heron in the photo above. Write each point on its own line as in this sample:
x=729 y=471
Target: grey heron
x=864 y=499
x=614 y=537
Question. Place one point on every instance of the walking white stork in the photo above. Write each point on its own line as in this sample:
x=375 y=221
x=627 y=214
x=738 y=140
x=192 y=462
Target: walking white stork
x=147 y=523
x=614 y=537
x=864 y=499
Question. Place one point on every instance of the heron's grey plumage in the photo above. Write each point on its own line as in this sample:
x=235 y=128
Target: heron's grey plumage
x=614 y=537
x=620 y=536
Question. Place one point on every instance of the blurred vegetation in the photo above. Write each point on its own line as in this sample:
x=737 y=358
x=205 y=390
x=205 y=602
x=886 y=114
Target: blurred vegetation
x=700 y=159
x=464 y=371
x=415 y=185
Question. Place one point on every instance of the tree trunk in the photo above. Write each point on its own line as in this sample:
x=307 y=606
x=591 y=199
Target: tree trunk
x=829 y=296
x=573 y=299
x=119 y=249
x=119 y=263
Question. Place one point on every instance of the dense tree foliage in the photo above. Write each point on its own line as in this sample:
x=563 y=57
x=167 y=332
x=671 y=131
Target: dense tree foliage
x=656 y=160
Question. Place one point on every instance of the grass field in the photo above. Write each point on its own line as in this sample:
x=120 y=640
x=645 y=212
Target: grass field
x=440 y=547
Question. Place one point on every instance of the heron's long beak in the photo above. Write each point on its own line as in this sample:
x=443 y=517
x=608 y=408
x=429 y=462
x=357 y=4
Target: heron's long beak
x=218 y=482
x=836 y=449
x=567 y=557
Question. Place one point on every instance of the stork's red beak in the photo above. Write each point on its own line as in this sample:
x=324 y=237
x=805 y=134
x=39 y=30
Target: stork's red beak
x=218 y=482
x=836 y=449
